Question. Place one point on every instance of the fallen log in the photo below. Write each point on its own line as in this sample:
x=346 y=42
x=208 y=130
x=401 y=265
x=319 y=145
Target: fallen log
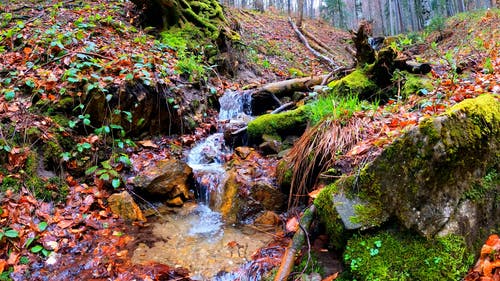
x=306 y=43
x=317 y=41
x=288 y=259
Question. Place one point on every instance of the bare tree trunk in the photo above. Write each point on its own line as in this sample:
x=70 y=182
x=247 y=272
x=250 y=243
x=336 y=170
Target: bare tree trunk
x=425 y=6
x=301 y=13
x=381 y=16
x=359 y=10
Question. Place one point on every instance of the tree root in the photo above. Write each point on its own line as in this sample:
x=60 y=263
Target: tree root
x=288 y=259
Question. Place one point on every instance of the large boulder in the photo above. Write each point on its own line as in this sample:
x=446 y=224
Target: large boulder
x=439 y=178
x=168 y=180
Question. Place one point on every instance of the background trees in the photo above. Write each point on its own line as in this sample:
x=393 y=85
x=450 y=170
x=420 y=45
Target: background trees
x=389 y=17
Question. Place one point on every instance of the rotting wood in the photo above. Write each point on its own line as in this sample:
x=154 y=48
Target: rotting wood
x=302 y=38
x=295 y=245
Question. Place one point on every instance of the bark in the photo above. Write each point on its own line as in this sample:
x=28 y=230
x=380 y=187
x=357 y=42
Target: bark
x=288 y=259
x=301 y=13
x=364 y=52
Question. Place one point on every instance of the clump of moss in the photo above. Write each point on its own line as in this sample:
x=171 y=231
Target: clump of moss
x=415 y=84
x=403 y=256
x=330 y=217
x=356 y=83
x=281 y=124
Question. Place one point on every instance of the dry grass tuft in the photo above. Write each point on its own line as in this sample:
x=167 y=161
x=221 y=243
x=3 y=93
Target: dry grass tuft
x=316 y=150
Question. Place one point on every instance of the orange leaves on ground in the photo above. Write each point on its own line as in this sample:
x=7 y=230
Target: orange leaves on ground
x=488 y=265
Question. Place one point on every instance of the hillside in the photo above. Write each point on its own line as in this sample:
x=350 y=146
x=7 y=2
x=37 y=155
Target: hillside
x=90 y=99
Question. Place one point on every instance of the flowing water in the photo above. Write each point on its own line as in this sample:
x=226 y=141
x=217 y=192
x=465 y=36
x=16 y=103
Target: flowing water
x=195 y=236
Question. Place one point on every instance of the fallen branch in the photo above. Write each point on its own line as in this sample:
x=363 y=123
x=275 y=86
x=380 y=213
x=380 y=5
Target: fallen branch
x=281 y=88
x=317 y=41
x=306 y=43
x=295 y=245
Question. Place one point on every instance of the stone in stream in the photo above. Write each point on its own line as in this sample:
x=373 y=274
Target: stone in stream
x=168 y=180
x=123 y=205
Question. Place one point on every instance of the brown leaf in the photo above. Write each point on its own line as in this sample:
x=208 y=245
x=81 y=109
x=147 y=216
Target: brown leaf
x=65 y=223
x=331 y=277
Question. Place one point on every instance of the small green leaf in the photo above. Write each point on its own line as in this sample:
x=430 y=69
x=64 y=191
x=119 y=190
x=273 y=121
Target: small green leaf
x=91 y=170
x=65 y=156
x=30 y=83
x=129 y=76
x=104 y=177
x=116 y=183
x=86 y=145
x=86 y=122
x=11 y=233
x=9 y=95
x=36 y=249
x=106 y=165
x=42 y=226
x=29 y=241
x=72 y=124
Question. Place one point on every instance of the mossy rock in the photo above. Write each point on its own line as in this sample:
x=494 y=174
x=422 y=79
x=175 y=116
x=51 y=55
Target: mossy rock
x=405 y=256
x=423 y=178
x=282 y=124
x=356 y=83
x=415 y=84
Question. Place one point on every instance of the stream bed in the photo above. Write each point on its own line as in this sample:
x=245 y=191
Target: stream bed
x=195 y=236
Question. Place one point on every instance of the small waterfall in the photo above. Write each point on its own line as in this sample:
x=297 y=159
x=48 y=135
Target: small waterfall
x=234 y=104
x=207 y=157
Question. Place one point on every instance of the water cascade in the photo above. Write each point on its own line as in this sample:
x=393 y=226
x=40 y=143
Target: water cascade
x=196 y=237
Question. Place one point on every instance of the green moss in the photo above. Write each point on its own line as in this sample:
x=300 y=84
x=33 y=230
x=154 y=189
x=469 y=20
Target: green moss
x=415 y=84
x=356 y=83
x=329 y=216
x=294 y=72
x=284 y=174
x=403 y=256
x=281 y=124
x=483 y=187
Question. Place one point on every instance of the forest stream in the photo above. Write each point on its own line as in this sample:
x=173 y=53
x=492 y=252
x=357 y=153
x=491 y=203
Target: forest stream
x=195 y=236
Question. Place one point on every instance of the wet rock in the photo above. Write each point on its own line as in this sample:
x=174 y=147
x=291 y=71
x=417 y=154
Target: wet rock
x=123 y=205
x=439 y=178
x=243 y=151
x=175 y=202
x=268 y=218
x=167 y=180
x=269 y=197
x=271 y=145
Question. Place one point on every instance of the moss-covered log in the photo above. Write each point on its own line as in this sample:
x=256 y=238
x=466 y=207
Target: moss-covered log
x=291 y=122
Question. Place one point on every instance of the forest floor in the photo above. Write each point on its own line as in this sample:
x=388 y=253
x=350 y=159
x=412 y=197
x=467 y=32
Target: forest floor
x=63 y=229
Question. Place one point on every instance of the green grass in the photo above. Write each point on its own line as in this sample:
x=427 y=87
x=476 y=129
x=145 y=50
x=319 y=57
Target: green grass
x=338 y=107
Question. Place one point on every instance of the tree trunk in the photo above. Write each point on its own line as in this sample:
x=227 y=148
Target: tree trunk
x=359 y=10
x=425 y=6
x=301 y=13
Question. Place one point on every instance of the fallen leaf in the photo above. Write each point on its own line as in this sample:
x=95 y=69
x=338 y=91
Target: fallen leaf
x=331 y=277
